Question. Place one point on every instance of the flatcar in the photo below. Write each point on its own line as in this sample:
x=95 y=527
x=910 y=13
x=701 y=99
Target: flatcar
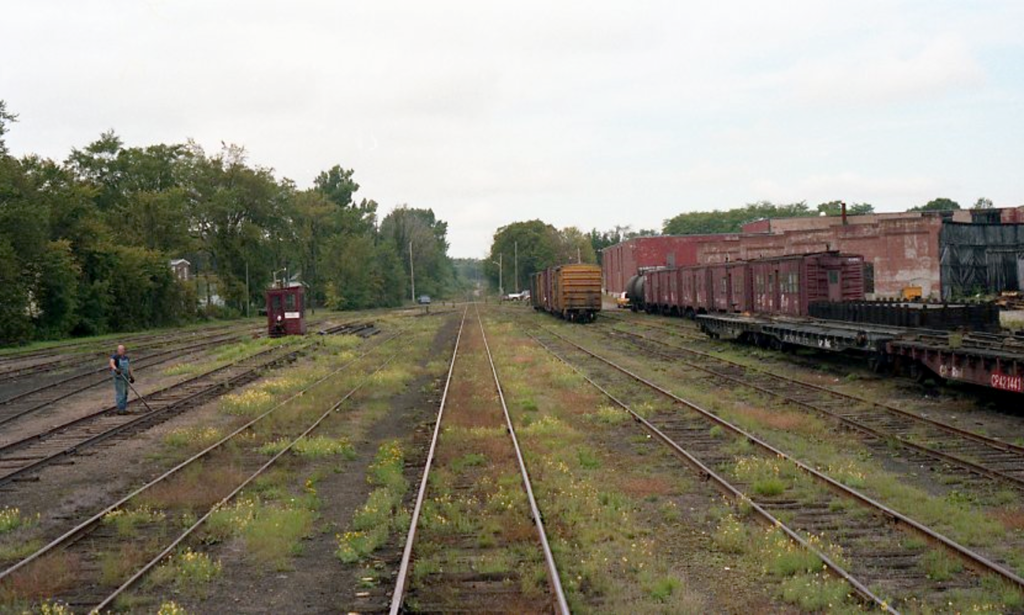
x=572 y=292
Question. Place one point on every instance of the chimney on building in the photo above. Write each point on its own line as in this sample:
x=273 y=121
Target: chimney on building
x=843 y=205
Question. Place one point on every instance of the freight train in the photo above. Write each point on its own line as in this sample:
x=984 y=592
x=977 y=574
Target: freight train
x=818 y=301
x=572 y=292
x=781 y=285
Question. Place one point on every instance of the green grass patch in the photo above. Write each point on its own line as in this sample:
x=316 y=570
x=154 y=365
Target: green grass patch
x=608 y=415
x=188 y=571
x=467 y=461
x=192 y=438
x=941 y=566
x=125 y=521
x=382 y=513
x=312 y=447
x=12 y=519
x=272 y=531
x=588 y=459
x=274 y=536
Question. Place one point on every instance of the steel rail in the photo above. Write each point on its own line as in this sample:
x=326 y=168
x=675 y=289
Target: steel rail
x=142 y=419
x=91 y=522
x=833 y=567
x=976 y=560
x=966 y=433
x=139 y=574
x=146 y=361
x=549 y=558
x=170 y=387
x=153 y=342
x=403 y=569
x=852 y=423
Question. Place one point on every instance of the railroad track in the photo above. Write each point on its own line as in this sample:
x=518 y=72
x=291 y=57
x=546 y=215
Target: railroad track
x=20 y=458
x=462 y=586
x=58 y=358
x=94 y=590
x=680 y=330
x=969 y=453
x=882 y=566
x=41 y=397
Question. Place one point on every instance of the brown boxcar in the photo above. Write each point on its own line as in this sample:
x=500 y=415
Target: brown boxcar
x=659 y=291
x=787 y=284
x=778 y=285
x=572 y=292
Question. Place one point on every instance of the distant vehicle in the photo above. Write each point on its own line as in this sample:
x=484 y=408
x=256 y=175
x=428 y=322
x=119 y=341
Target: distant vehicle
x=523 y=296
x=424 y=300
x=622 y=301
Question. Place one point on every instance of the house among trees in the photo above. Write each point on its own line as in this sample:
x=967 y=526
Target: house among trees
x=182 y=269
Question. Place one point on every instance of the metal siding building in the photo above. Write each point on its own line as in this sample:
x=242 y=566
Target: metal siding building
x=981 y=258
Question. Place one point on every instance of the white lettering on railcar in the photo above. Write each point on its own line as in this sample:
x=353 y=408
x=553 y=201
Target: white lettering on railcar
x=1008 y=383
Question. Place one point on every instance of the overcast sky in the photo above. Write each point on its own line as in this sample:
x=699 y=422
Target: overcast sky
x=589 y=114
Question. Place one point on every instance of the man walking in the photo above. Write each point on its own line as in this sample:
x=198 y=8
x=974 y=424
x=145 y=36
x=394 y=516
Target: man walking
x=121 y=368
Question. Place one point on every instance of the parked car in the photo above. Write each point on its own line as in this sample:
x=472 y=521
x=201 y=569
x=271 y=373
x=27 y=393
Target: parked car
x=424 y=300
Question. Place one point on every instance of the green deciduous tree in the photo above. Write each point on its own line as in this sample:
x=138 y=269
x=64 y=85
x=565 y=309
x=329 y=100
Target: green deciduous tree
x=835 y=208
x=732 y=220
x=419 y=235
x=939 y=204
x=85 y=244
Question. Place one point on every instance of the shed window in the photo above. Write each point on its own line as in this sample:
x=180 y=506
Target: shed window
x=289 y=302
x=833 y=277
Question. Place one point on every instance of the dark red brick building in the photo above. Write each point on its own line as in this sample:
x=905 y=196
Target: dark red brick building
x=902 y=249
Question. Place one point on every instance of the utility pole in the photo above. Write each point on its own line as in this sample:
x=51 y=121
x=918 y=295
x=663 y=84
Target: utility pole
x=248 y=298
x=516 y=261
x=412 y=274
x=501 y=279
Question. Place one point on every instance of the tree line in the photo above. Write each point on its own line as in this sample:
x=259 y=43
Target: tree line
x=86 y=243
x=732 y=220
x=521 y=249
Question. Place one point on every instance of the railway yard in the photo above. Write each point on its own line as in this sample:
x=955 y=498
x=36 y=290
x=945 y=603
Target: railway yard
x=490 y=458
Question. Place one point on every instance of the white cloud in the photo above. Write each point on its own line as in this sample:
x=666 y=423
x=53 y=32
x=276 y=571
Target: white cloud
x=882 y=74
x=590 y=114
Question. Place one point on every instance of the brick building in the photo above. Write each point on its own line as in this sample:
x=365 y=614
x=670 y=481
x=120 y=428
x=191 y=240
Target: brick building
x=902 y=249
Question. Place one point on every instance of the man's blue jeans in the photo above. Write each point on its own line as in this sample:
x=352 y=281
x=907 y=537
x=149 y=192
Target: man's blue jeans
x=120 y=392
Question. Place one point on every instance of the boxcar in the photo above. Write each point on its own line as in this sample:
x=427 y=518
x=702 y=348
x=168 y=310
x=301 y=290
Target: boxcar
x=778 y=285
x=787 y=284
x=572 y=292
x=659 y=291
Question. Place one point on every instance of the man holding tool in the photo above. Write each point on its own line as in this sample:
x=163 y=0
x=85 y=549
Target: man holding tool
x=121 y=367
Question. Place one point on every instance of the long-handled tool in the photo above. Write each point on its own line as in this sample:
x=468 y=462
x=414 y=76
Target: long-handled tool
x=141 y=398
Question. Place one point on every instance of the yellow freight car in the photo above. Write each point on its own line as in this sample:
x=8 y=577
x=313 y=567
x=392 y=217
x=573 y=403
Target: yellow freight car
x=572 y=292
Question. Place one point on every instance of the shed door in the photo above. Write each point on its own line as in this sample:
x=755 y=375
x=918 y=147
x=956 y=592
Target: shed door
x=835 y=285
x=1020 y=271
